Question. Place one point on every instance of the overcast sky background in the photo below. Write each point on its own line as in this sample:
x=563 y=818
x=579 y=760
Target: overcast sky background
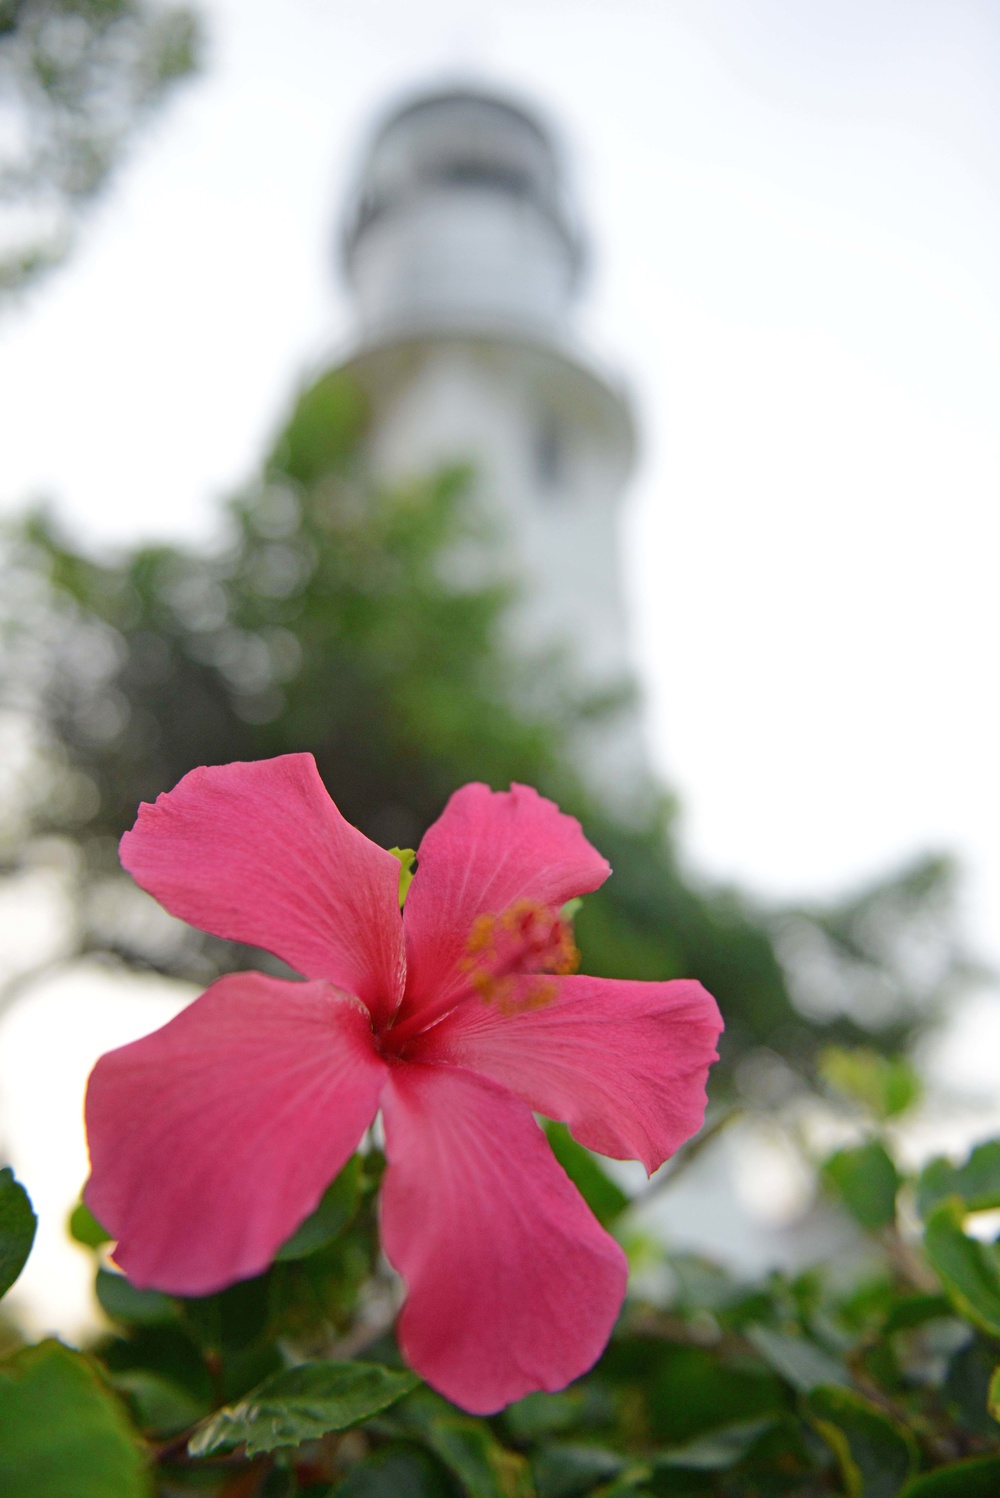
x=796 y=229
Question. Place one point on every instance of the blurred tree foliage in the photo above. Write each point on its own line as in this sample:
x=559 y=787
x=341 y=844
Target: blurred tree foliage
x=333 y=619
x=76 y=79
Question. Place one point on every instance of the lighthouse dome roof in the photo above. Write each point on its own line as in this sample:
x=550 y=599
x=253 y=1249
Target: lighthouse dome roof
x=463 y=142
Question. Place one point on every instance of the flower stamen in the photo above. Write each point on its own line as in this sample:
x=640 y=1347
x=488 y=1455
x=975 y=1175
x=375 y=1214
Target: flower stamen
x=507 y=954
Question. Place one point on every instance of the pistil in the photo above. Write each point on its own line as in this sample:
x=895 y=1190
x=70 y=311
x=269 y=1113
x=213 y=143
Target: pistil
x=507 y=960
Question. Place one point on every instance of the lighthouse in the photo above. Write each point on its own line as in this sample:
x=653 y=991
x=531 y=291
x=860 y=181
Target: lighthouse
x=464 y=253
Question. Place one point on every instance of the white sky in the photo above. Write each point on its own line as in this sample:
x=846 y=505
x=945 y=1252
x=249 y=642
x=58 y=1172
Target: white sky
x=796 y=225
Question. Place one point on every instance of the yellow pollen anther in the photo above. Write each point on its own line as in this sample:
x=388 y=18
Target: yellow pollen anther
x=508 y=953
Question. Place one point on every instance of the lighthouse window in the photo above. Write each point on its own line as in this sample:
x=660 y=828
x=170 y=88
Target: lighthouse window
x=481 y=173
x=550 y=456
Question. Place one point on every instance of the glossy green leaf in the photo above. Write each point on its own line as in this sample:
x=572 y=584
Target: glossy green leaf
x=63 y=1433
x=397 y=1471
x=993 y=1400
x=17 y=1228
x=978 y=1478
x=84 y=1227
x=876 y=1456
x=976 y=1181
x=800 y=1362
x=335 y=1211
x=718 y=1449
x=866 y=1181
x=302 y=1404
x=119 y=1299
x=968 y=1270
x=604 y=1198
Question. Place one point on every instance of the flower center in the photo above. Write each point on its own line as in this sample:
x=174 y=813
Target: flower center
x=506 y=953
x=506 y=963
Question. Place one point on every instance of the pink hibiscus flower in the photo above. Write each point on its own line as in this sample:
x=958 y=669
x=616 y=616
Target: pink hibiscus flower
x=214 y=1137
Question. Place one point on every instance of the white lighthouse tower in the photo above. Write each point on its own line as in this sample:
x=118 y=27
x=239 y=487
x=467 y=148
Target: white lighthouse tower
x=464 y=255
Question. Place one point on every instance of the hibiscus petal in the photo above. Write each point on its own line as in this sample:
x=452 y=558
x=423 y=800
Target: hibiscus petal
x=214 y=1137
x=487 y=850
x=624 y=1064
x=511 y=1284
x=258 y=853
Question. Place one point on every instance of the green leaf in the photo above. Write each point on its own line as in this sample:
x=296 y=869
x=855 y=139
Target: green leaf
x=85 y=1228
x=233 y=1319
x=537 y=1416
x=63 y=1434
x=914 y=1310
x=968 y=1270
x=718 y=1449
x=302 y=1404
x=168 y=1352
x=119 y=1299
x=978 y=1478
x=690 y=1391
x=567 y=1471
x=886 y=1086
x=337 y=1207
x=604 y=1198
x=966 y=1387
x=799 y=1362
x=977 y=1181
x=17 y=1228
x=397 y=1471
x=876 y=1455
x=866 y=1180
x=466 y=1446
x=484 y=1468
x=160 y=1406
